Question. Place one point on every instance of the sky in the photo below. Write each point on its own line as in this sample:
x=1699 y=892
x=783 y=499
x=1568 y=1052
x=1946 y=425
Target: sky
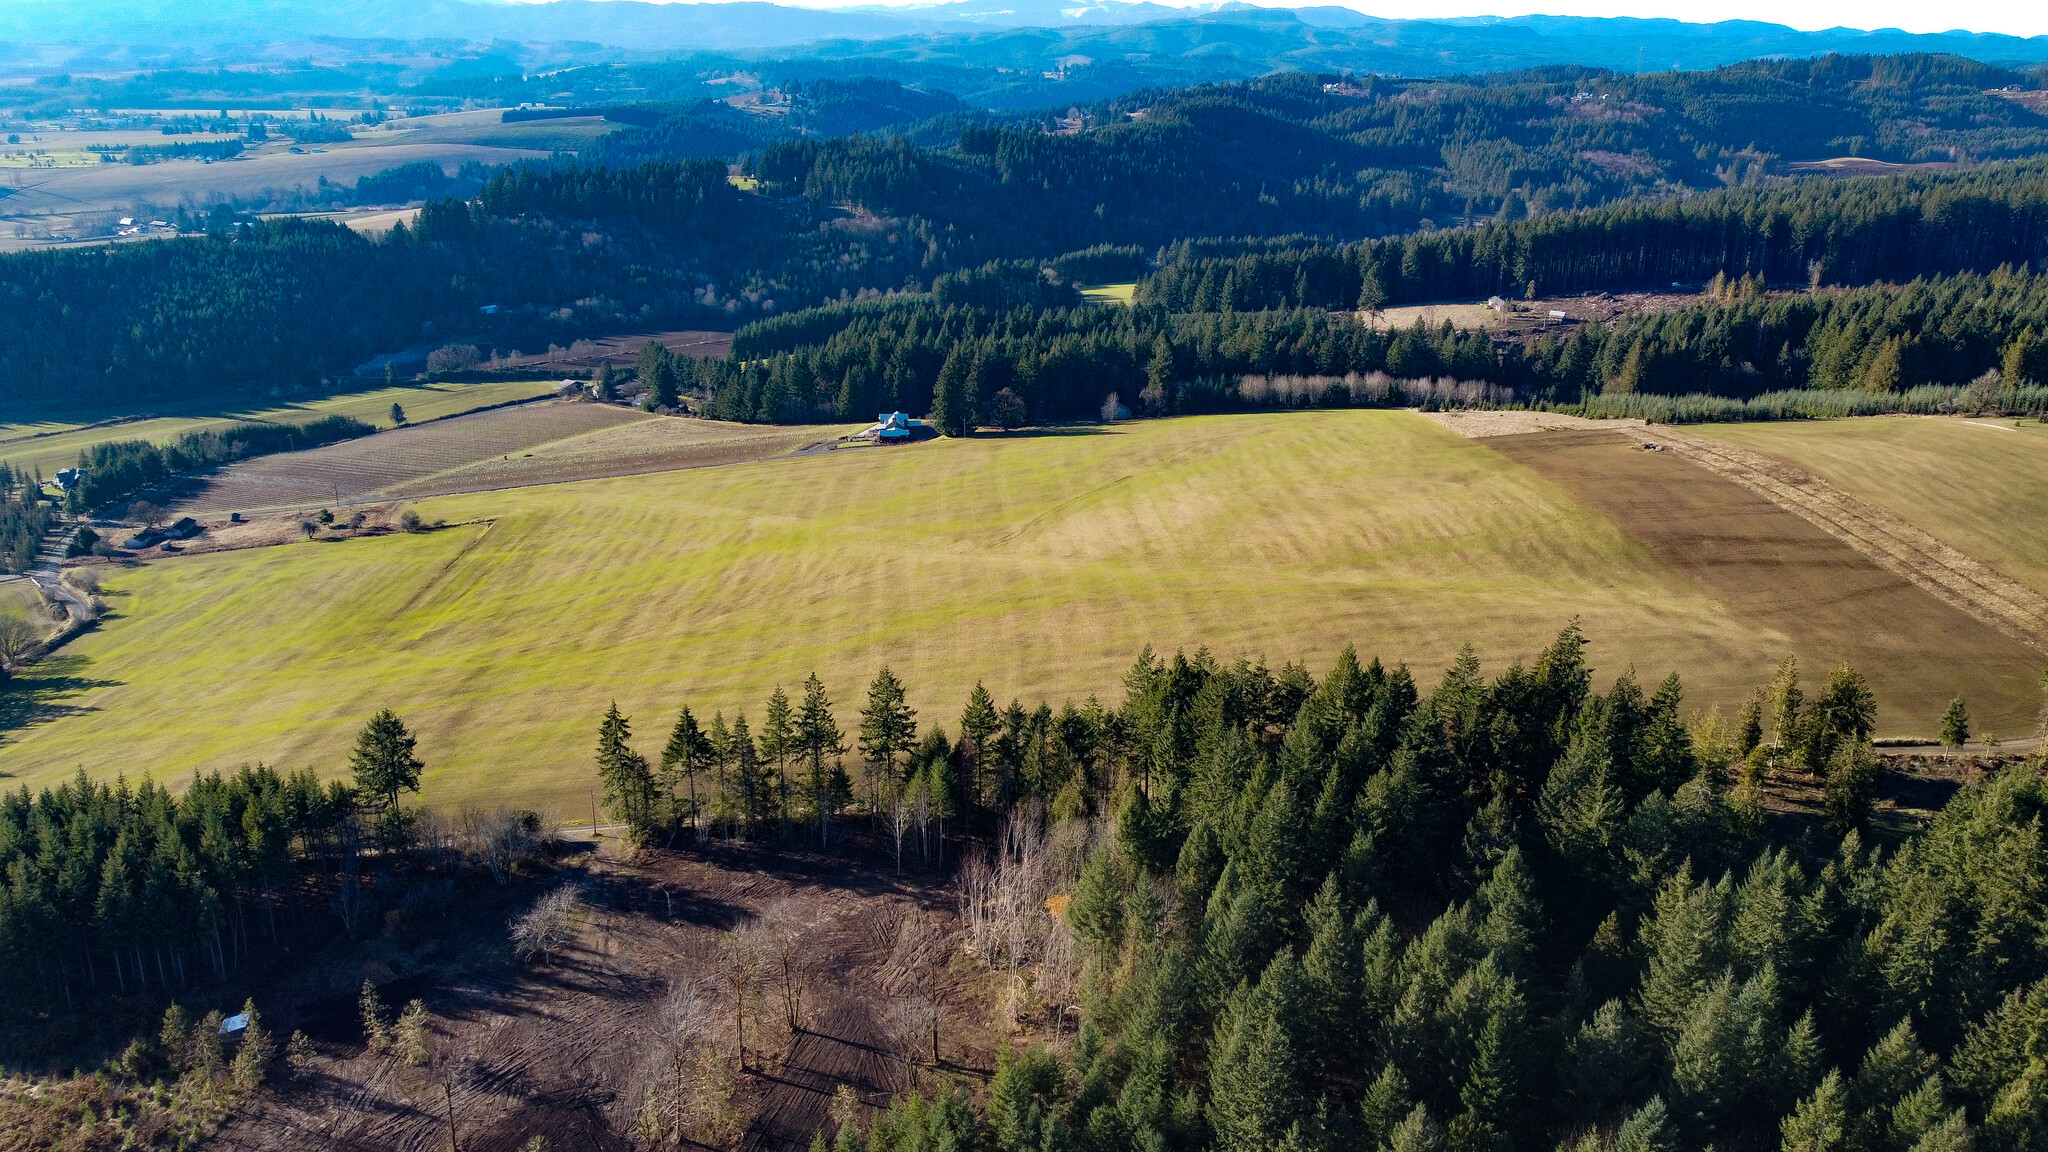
x=2013 y=17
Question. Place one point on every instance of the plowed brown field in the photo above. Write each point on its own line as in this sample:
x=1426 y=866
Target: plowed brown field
x=357 y=470
x=1778 y=571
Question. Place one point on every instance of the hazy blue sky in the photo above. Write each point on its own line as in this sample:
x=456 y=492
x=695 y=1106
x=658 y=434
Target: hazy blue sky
x=2015 y=17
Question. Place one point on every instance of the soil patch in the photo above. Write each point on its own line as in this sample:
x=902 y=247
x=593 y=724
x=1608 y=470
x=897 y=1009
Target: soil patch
x=629 y=449
x=1829 y=600
x=355 y=471
x=623 y=350
x=1944 y=572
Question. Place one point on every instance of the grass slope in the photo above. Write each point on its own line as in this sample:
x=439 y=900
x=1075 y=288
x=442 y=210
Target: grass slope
x=1980 y=486
x=31 y=446
x=1040 y=564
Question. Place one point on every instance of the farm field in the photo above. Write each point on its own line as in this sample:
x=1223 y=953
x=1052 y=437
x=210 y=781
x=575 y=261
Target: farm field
x=51 y=446
x=19 y=598
x=1980 y=486
x=1038 y=563
x=354 y=471
x=624 y=449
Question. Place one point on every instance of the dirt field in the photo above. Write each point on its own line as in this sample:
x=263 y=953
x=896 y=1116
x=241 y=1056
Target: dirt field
x=623 y=350
x=1780 y=572
x=1865 y=166
x=625 y=449
x=358 y=470
x=1958 y=579
x=1533 y=317
x=566 y=1050
x=1978 y=485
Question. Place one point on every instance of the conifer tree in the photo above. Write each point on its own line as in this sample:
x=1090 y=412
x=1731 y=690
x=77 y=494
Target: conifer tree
x=1255 y=1079
x=1955 y=725
x=888 y=729
x=979 y=723
x=623 y=773
x=818 y=735
x=1684 y=938
x=778 y=743
x=749 y=782
x=1331 y=968
x=384 y=765
x=952 y=396
x=1850 y=788
x=1820 y=1123
x=687 y=753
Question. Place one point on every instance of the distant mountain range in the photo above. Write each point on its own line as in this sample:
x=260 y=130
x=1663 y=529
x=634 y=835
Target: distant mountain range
x=1164 y=44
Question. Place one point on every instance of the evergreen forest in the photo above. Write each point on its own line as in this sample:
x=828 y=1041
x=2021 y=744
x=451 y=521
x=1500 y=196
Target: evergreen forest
x=1518 y=912
x=1295 y=191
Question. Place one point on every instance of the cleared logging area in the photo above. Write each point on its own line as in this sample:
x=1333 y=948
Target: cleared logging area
x=359 y=470
x=568 y=1049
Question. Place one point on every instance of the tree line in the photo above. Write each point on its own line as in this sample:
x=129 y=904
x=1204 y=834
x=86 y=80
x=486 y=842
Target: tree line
x=24 y=518
x=1506 y=912
x=117 y=469
x=1735 y=341
x=114 y=889
x=1850 y=232
x=548 y=252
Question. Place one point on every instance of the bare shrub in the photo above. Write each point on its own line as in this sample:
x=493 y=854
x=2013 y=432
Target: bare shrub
x=1013 y=904
x=1284 y=391
x=689 y=1091
x=546 y=929
x=454 y=358
x=17 y=639
x=83 y=580
x=147 y=514
x=502 y=840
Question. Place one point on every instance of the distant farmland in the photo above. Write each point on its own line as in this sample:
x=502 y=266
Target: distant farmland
x=52 y=445
x=1038 y=563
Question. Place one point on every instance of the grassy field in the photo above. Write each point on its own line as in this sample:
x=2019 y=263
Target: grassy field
x=1040 y=564
x=1109 y=293
x=20 y=598
x=50 y=446
x=1980 y=486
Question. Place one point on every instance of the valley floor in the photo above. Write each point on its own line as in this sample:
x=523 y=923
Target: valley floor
x=1039 y=564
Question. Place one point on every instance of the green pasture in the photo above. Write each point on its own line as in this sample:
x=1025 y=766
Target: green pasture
x=1039 y=564
x=51 y=445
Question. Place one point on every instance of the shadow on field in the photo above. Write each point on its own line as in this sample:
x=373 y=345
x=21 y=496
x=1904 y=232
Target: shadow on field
x=41 y=695
x=1052 y=430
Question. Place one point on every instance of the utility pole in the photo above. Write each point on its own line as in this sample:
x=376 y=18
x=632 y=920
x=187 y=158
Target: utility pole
x=593 y=819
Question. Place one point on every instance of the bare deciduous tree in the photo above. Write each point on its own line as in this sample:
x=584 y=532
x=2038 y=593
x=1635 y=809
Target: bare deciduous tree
x=739 y=969
x=17 y=639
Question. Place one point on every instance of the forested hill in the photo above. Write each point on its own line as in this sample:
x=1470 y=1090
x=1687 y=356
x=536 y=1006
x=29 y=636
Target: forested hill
x=550 y=252
x=1812 y=232
x=1324 y=155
